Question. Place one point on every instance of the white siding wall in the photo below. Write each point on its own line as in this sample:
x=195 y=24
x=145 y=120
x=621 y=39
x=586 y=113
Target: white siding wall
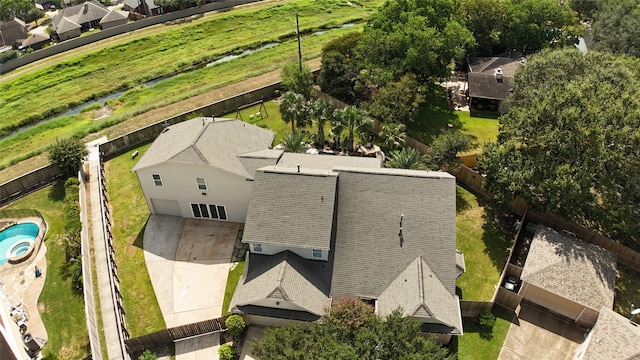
x=305 y=253
x=179 y=183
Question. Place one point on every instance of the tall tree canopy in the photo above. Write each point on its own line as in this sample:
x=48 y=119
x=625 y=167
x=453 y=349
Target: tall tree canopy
x=14 y=8
x=67 y=155
x=570 y=143
x=353 y=332
x=617 y=27
x=410 y=36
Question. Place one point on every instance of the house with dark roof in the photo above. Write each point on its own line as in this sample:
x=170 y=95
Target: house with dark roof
x=34 y=41
x=490 y=81
x=144 y=7
x=318 y=227
x=386 y=236
x=612 y=337
x=568 y=276
x=72 y=20
x=114 y=18
x=12 y=32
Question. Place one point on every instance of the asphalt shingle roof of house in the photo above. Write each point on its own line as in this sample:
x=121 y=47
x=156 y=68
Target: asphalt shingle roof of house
x=254 y=160
x=284 y=276
x=207 y=141
x=82 y=13
x=482 y=78
x=135 y=3
x=290 y=208
x=114 y=15
x=326 y=161
x=65 y=25
x=574 y=269
x=613 y=337
x=34 y=39
x=12 y=30
x=372 y=253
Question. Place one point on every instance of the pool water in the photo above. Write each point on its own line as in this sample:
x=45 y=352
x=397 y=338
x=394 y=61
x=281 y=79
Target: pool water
x=21 y=233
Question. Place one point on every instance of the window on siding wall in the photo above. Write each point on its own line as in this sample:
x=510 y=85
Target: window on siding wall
x=157 y=179
x=209 y=211
x=202 y=183
x=257 y=247
x=317 y=253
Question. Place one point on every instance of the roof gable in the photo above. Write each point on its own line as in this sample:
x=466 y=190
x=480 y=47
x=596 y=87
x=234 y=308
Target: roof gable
x=217 y=142
x=34 y=39
x=576 y=270
x=65 y=24
x=82 y=13
x=283 y=276
x=114 y=15
x=12 y=30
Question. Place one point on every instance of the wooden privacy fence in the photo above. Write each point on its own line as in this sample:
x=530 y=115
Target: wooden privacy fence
x=168 y=336
x=471 y=308
x=27 y=183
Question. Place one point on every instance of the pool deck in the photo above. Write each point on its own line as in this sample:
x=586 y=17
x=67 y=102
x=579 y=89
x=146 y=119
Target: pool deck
x=24 y=288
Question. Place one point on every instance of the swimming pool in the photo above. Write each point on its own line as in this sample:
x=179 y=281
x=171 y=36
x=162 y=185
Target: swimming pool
x=16 y=240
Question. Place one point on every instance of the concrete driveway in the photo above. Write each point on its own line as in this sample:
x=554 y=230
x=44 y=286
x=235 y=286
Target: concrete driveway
x=539 y=334
x=188 y=262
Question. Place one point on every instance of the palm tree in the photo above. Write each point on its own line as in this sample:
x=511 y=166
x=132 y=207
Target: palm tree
x=321 y=112
x=351 y=119
x=407 y=158
x=294 y=142
x=393 y=136
x=294 y=110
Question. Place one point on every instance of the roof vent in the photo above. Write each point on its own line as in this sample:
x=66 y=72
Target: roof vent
x=400 y=235
x=298 y=167
x=498 y=73
x=86 y=8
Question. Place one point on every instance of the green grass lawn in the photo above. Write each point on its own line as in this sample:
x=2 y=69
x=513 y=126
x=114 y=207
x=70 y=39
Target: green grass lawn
x=63 y=313
x=478 y=345
x=484 y=245
x=232 y=281
x=435 y=115
x=130 y=214
x=627 y=291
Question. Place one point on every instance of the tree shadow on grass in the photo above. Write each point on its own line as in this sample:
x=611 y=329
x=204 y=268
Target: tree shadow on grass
x=461 y=203
x=434 y=117
x=498 y=243
x=56 y=192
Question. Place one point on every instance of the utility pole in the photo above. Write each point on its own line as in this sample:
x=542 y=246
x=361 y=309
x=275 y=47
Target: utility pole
x=299 y=45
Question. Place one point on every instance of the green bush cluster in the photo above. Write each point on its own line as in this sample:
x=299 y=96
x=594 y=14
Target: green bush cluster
x=148 y=355
x=486 y=321
x=235 y=325
x=72 y=234
x=226 y=352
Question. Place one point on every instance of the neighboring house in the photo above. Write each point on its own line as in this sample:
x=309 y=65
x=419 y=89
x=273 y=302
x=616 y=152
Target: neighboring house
x=613 y=337
x=71 y=21
x=386 y=236
x=12 y=32
x=35 y=42
x=114 y=18
x=568 y=276
x=12 y=346
x=490 y=81
x=144 y=7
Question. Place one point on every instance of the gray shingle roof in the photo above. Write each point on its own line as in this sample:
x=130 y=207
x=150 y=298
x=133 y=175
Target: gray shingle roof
x=65 y=25
x=205 y=141
x=82 y=13
x=482 y=79
x=574 y=269
x=35 y=39
x=370 y=254
x=135 y=3
x=254 y=160
x=12 y=30
x=114 y=15
x=293 y=209
x=326 y=161
x=283 y=276
x=421 y=294
x=613 y=337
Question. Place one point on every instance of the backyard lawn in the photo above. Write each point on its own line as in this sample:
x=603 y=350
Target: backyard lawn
x=478 y=345
x=484 y=245
x=435 y=115
x=232 y=281
x=130 y=214
x=62 y=309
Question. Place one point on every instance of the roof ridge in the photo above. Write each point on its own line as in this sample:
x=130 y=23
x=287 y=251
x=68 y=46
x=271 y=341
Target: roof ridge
x=420 y=281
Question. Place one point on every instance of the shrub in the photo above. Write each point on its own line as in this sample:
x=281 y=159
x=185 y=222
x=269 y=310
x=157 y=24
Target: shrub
x=8 y=56
x=235 y=325
x=486 y=321
x=226 y=352
x=148 y=355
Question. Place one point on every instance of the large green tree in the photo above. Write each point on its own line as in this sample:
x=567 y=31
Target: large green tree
x=533 y=25
x=353 y=120
x=14 y=8
x=617 y=27
x=398 y=101
x=67 y=155
x=293 y=108
x=350 y=333
x=340 y=72
x=298 y=79
x=570 y=143
x=422 y=37
x=486 y=20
